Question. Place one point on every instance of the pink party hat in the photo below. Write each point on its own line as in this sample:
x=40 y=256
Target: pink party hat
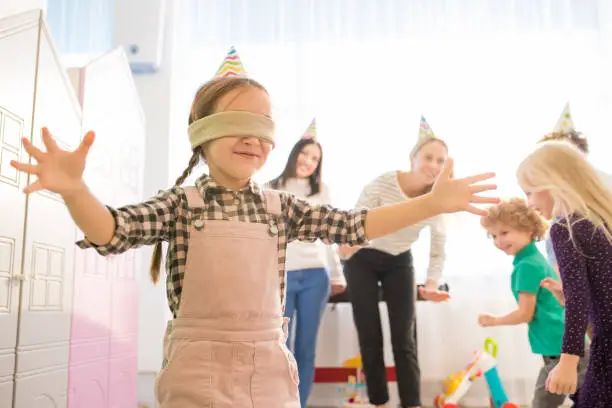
x=232 y=65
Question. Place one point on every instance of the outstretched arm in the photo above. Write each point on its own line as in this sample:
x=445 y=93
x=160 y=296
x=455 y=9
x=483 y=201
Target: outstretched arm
x=307 y=222
x=527 y=278
x=110 y=231
x=114 y=231
x=90 y=215
x=522 y=314
x=139 y=224
x=336 y=271
x=61 y=171
x=366 y=200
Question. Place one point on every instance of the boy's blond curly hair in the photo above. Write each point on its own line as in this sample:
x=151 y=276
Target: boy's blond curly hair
x=515 y=213
x=574 y=137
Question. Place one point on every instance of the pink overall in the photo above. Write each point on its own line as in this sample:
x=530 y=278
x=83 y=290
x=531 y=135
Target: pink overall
x=226 y=348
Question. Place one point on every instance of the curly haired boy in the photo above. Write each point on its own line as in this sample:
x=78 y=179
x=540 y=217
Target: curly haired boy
x=515 y=228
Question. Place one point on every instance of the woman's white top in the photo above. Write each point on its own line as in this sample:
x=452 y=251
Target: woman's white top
x=385 y=190
x=305 y=255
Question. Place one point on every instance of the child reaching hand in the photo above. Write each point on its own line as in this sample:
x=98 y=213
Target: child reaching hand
x=227 y=241
x=555 y=287
x=514 y=228
x=561 y=184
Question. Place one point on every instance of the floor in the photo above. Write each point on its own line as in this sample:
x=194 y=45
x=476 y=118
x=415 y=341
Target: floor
x=524 y=406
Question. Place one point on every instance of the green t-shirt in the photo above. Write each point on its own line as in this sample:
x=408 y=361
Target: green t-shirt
x=547 y=326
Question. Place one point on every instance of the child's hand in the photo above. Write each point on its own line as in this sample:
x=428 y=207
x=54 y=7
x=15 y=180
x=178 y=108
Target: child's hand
x=58 y=170
x=563 y=379
x=555 y=287
x=453 y=195
x=487 y=320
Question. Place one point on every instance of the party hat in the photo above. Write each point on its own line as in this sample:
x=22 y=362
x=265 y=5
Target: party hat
x=565 y=122
x=231 y=65
x=424 y=129
x=311 y=132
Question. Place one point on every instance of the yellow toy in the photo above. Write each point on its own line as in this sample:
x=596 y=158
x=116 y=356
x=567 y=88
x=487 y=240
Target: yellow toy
x=452 y=382
x=353 y=362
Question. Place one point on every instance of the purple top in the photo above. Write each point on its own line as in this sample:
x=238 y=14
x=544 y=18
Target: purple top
x=585 y=265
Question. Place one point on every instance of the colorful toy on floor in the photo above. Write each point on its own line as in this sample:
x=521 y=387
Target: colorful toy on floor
x=483 y=364
x=355 y=391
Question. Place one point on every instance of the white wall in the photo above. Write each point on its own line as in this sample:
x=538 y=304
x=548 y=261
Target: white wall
x=8 y=7
x=154 y=91
x=155 y=95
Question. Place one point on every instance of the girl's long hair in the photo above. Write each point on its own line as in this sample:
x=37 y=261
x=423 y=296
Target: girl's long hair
x=574 y=185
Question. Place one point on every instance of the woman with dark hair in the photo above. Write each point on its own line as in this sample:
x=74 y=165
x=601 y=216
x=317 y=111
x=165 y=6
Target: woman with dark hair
x=308 y=280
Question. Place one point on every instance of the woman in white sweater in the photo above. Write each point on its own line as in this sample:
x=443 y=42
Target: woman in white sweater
x=308 y=281
x=388 y=261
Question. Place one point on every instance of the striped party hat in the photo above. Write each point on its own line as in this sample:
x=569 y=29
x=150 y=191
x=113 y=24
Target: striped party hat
x=565 y=122
x=311 y=132
x=231 y=65
x=424 y=129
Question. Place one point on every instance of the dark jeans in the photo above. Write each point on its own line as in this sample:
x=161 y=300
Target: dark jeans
x=364 y=270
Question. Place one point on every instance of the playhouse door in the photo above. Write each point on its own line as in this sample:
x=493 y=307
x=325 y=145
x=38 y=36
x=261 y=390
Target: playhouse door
x=16 y=97
x=48 y=258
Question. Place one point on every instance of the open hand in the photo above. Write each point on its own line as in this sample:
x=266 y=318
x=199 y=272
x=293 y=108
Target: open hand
x=58 y=170
x=433 y=294
x=453 y=195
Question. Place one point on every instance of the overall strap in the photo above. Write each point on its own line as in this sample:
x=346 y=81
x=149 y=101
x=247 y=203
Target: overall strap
x=194 y=199
x=273 y=207
x=273 y=202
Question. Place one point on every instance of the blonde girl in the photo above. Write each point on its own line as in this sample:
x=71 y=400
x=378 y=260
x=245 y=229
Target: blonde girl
x=227 y=239
x=562 y=185
x=581 y=142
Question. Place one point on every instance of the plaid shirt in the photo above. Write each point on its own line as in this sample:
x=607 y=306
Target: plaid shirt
x=167 y=217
